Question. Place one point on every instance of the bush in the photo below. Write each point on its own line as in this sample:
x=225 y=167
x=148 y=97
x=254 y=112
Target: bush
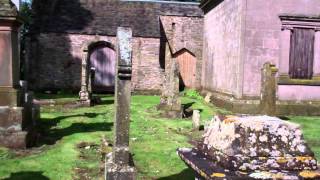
x=193 y=94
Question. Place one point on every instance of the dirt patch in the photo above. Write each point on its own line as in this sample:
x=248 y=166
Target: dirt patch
x=91 y=160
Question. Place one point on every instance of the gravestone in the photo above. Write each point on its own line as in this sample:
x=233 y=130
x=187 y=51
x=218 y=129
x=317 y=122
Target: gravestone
x=170 y=102
x=118 y=166
x=252 y=147
x=14 y=127
x=268 y=89
x=196 y=119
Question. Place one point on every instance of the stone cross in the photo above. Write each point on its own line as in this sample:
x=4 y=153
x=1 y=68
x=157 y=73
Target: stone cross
x=268 y=89
x=118 y=167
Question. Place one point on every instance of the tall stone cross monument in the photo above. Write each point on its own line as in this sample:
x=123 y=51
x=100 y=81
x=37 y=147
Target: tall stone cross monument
x=13 y=124
x=118 y=166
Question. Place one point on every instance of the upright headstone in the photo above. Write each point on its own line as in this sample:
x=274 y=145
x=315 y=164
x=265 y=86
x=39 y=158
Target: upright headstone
x=118 y=167
x=13 y=131
x=268 y=89
x=170 y=102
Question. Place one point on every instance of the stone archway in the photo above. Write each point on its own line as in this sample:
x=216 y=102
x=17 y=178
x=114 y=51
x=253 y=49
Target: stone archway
x=88 y=49
x=102 y=58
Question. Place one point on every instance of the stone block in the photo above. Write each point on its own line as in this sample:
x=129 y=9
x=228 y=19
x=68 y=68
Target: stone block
x=11 y=118
x=257 y=143
x=116 y=171
x=9 y=97
x=15 y=140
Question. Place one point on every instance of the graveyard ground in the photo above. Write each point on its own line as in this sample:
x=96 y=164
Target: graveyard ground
x=70 y=142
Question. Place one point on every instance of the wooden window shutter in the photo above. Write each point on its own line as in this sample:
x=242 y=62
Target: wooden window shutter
x=301 y=53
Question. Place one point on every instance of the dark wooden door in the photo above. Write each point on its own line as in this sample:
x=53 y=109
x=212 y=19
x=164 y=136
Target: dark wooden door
x=302 y=53
x=103 y=59
x=187 y=66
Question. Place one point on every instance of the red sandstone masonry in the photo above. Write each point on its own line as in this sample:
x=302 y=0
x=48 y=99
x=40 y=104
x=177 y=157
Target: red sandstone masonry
x=59 y=60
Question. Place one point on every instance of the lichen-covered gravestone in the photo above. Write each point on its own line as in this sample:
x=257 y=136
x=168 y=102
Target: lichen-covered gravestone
x=118 y=166
x=268 y=96
x=256 y=147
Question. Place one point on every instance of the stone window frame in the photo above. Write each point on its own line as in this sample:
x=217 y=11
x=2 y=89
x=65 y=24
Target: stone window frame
x=288 y=22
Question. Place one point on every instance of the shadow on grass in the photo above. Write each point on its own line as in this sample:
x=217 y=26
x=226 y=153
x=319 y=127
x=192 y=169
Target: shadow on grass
x=27 y=175
x=187 y=109
x=107 y=102
x=186 y=174
x=49 y=135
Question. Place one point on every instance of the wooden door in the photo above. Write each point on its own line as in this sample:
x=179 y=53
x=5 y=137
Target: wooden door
x=187 y=66
x=103 y=59
x=301 y=53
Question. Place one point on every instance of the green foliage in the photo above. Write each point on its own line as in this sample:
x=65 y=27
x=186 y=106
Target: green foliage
x=153 y=140
x=193 y=94
x=26 y=14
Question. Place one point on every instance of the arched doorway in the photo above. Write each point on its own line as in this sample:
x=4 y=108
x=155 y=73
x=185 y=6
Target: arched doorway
x=102 y=59
x=187 y=66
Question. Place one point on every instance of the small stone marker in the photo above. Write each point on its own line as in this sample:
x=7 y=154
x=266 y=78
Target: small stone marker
x=268 y=89
x=252 y=147
x=196 y=119
x=118 y=166
x=207 y=99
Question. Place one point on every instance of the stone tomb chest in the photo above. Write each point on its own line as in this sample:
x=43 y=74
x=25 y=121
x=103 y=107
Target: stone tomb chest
x=252 y=147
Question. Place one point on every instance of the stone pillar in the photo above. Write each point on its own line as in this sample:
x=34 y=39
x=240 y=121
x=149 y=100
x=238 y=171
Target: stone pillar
x=170 y=102
x=118 y=166
x=85 y=94
x=268 y=89
x=12 y=133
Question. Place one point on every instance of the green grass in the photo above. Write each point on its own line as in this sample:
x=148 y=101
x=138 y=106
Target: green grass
x=153 y=141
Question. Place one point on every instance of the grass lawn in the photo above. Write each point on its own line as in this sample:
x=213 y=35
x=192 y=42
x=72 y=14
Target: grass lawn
x=70 y=143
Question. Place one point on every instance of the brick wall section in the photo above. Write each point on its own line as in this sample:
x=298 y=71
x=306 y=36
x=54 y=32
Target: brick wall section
x=188 y=34
x=221 y=70
x=262 y=38
x=104 y=16
x=57 y=64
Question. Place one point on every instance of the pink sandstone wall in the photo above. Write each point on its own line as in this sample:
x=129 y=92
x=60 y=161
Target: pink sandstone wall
x=263 y=43
x=58 y=61
x=222 y=69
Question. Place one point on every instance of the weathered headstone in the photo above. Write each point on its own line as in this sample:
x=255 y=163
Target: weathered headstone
x=118 y=167
x=253 y=147
x=196 y=119
x=13 y=126
x=268 y=89
x=170 y=102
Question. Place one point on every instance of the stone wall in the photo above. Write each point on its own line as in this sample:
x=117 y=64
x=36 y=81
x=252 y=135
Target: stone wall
x=240 y=36
x=221 y=69
x=187 y=35
x=263 y=43
x=56 y=61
